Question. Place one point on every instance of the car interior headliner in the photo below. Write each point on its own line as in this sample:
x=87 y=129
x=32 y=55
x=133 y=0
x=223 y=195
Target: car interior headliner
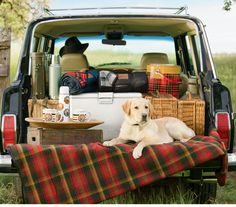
x=130 y=26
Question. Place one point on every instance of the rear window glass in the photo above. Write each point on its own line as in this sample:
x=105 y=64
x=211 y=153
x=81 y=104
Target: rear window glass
x=129 y=56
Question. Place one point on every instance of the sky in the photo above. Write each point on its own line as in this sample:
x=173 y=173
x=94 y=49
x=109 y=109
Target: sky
x=220 y=25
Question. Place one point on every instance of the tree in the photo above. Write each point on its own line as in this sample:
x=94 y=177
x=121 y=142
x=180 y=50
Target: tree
x=228 y=5
x=16 y=14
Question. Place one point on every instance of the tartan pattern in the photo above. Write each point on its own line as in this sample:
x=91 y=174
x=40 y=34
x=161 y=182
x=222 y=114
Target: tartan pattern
x=167 y=84
x=80 y=76
x=92 y=173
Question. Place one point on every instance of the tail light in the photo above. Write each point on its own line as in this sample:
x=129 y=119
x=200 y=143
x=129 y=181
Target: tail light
x=8 y=130
x=222 y=122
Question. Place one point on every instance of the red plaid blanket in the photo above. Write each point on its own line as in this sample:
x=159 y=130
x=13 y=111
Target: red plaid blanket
x=93 y=173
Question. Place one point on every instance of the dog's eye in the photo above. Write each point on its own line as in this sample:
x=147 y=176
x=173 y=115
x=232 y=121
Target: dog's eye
x=146 y=107
x=136 y=107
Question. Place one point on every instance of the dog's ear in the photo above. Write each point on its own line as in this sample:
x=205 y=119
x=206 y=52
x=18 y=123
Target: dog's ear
x=151 y=109
x=126 y=107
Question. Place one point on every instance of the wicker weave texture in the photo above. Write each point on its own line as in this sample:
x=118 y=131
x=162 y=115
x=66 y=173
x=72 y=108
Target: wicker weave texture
x=190 y=111
x=200 y=117
x=164 y=105
x=186 y=113
x=35 y=107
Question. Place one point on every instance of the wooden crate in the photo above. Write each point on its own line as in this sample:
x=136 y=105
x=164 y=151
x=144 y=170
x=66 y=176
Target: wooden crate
x=63 y=136
x=36 y=106
x=164 y=105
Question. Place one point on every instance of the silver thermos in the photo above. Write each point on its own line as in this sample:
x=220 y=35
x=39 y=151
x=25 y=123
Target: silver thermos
x=54 y=77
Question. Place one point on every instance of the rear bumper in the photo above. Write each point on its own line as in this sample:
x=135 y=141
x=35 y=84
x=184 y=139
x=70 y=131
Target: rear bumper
x=232 y=161
x=6 y=164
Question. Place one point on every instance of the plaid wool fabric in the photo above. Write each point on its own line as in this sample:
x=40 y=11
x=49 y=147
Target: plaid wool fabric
x=168 y=84
x=93 y=173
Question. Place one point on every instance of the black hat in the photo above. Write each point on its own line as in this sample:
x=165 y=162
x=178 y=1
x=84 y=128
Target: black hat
x=73 y=45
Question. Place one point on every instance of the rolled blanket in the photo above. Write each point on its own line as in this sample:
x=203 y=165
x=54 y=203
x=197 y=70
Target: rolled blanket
x=80 y=82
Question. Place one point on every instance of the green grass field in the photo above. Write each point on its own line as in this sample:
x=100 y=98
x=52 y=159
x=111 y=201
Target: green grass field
x=226 y=71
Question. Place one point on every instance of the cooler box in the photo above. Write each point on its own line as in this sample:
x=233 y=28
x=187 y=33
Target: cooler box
x=105 y=106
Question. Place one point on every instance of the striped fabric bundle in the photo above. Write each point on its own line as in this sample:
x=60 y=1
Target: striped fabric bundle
x=93 y=173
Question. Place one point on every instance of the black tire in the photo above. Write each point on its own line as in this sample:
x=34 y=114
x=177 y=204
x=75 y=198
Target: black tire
x=204 y=193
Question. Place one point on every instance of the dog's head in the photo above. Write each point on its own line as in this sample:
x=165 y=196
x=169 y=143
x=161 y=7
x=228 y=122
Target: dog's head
x=138 y=111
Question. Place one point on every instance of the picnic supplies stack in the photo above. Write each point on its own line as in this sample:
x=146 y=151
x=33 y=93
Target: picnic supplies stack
x=36 y=106
x=54 y=77
x=38 y=74
x=164 y=79
x=164 y=105
x=192 y=113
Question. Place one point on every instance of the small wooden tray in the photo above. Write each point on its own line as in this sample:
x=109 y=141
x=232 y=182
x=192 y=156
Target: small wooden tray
x=37 y=122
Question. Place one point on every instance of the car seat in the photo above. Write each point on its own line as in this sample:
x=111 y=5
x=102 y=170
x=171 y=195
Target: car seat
x=73 y=62
x=157 y=58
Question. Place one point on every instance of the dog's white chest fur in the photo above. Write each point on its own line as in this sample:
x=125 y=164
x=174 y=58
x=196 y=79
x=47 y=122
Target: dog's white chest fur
x=127 y=130
x=136 y=132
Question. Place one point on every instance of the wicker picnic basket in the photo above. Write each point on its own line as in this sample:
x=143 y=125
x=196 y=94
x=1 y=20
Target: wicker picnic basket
x=36 y=106
x=190 y=110
x=163 y=104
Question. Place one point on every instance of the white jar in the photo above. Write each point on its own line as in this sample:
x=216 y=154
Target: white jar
x=64 y=103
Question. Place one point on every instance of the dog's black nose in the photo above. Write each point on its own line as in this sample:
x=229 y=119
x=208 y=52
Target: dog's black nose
x=144 y=117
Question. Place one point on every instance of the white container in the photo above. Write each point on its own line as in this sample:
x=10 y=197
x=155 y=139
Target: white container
x=64 y=103
x=54 y=77
x=105 y=107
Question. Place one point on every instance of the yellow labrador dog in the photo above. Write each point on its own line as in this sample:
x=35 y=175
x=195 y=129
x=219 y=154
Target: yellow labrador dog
x=139 y=127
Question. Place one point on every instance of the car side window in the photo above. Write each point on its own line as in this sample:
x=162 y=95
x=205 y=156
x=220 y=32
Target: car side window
x=191 y=57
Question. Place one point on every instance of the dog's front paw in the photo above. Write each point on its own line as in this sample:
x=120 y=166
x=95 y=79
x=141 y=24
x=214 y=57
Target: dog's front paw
x=137 y=153
x=107 y=143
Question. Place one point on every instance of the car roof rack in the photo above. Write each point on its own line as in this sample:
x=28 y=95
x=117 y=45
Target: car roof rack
x=174 y=10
